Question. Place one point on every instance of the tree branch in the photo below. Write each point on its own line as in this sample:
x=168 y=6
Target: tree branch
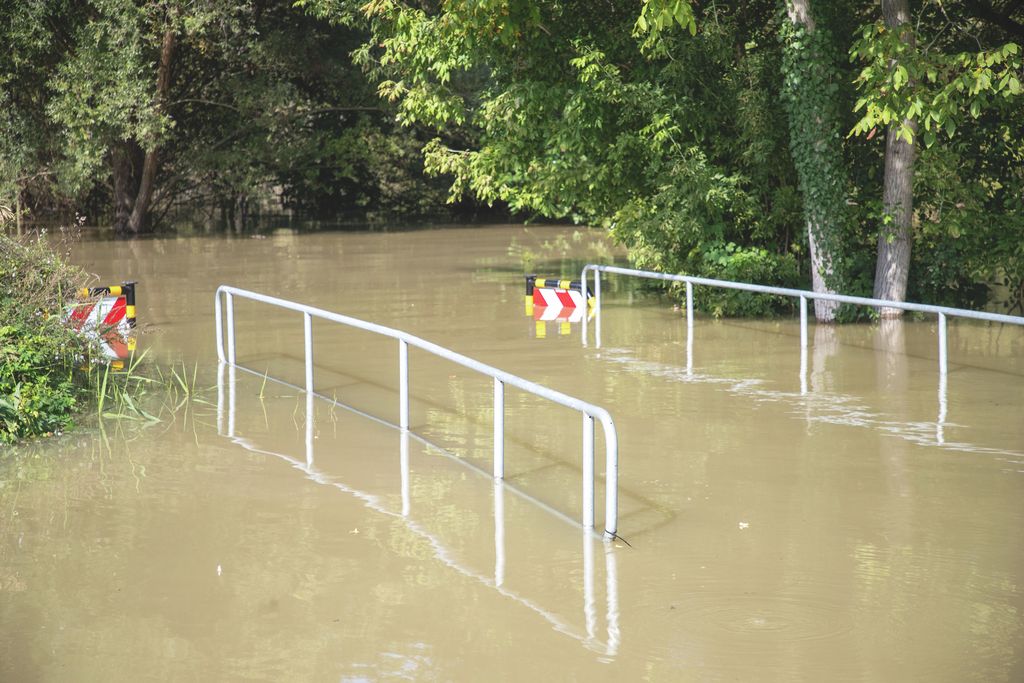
x=984 y=10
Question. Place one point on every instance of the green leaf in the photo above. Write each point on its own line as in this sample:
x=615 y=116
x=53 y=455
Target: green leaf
x=899 y=77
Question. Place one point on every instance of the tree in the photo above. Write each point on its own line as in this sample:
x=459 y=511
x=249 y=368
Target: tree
x=917 y=75
x=894 y=235
x=637 y=122
x=810 y=88
x=643 y=124
x=158 y=104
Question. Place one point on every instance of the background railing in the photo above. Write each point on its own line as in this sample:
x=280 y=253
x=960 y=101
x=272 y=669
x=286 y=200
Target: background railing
x=941 y=311
x=225 y=320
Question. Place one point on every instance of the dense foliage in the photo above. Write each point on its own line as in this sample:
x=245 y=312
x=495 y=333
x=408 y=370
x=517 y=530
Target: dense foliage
x=744 y=139
x=39 y=356
x=687 y=127
x=130 y=111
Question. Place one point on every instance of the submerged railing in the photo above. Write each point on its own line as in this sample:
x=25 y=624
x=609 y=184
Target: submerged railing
x=501 y=378
x=941 y=311
x=803 y=295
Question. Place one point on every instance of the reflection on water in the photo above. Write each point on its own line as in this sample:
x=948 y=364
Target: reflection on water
x=609 y=646
x=821 y=406
x=862 y=524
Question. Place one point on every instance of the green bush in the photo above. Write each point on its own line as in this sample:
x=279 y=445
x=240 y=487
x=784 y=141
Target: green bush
x=746 y=264
x=40 y=381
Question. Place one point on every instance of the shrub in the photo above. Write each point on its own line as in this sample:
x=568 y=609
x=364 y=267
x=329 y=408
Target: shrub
x=40 y=383
x=746 y=264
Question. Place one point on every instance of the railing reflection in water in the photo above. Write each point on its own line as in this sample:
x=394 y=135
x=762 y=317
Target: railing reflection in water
x=941 y=312
x=227 y=381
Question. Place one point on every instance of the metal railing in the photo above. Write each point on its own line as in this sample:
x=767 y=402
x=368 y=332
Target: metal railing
x=501 y=378
x=941 y=311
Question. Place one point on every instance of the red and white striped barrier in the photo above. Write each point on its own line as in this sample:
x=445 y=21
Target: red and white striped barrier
x=558 y=298
x=100 y=316
x=559 y=314
x=561 y=301
x=112 y=307
x=109 y=318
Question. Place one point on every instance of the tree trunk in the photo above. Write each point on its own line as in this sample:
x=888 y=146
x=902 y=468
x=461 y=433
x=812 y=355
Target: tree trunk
x=800 y=14
x=126 y=185
x=895 y=236
x=821 y=274
x=137 y=221
x=240 y=212
x=812 y=134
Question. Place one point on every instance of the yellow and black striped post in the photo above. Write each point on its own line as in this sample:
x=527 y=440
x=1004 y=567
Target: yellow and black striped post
x=129 y=302
x=127 y=289
x=532 y=281
x=529 y=293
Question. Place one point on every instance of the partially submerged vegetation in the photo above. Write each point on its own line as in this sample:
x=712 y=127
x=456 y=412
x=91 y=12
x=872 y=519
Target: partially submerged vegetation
x=41 y=383
x=49 y=374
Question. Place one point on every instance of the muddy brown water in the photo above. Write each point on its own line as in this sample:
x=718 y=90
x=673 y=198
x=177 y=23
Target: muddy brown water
x=862 y=527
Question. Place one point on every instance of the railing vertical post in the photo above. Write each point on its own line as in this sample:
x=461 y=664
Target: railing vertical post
x=943 y=368
x=588 y=471
x=218 y=317
x=403 y=462
x=940 y=425
x=586 y=309
x=803 y=371
x=232 y=388
x=689 y=328
x=611 y=505
x=309 y=430
x=942 y=344
x=403 y=384
x=589 y=612
x=499 y=429
x=803 y=345
x=230 y=315
x=499 y=533
x=220 y=397
x=597 y=308
x=803 y=322
x=307 y=330
x=689 y=307
x=611 y=572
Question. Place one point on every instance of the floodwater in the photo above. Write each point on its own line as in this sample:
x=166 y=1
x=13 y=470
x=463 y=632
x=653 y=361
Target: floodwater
x=862 y=522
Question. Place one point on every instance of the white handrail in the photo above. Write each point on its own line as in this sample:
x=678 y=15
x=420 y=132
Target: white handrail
x=501 y=378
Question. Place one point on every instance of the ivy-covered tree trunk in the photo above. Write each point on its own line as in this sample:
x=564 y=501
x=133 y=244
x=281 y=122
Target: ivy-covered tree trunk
x=810 y=75
x=895 y=238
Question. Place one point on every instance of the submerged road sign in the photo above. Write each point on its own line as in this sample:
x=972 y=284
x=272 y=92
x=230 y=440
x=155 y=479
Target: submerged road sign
x=561 y=301
x=108 y=315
